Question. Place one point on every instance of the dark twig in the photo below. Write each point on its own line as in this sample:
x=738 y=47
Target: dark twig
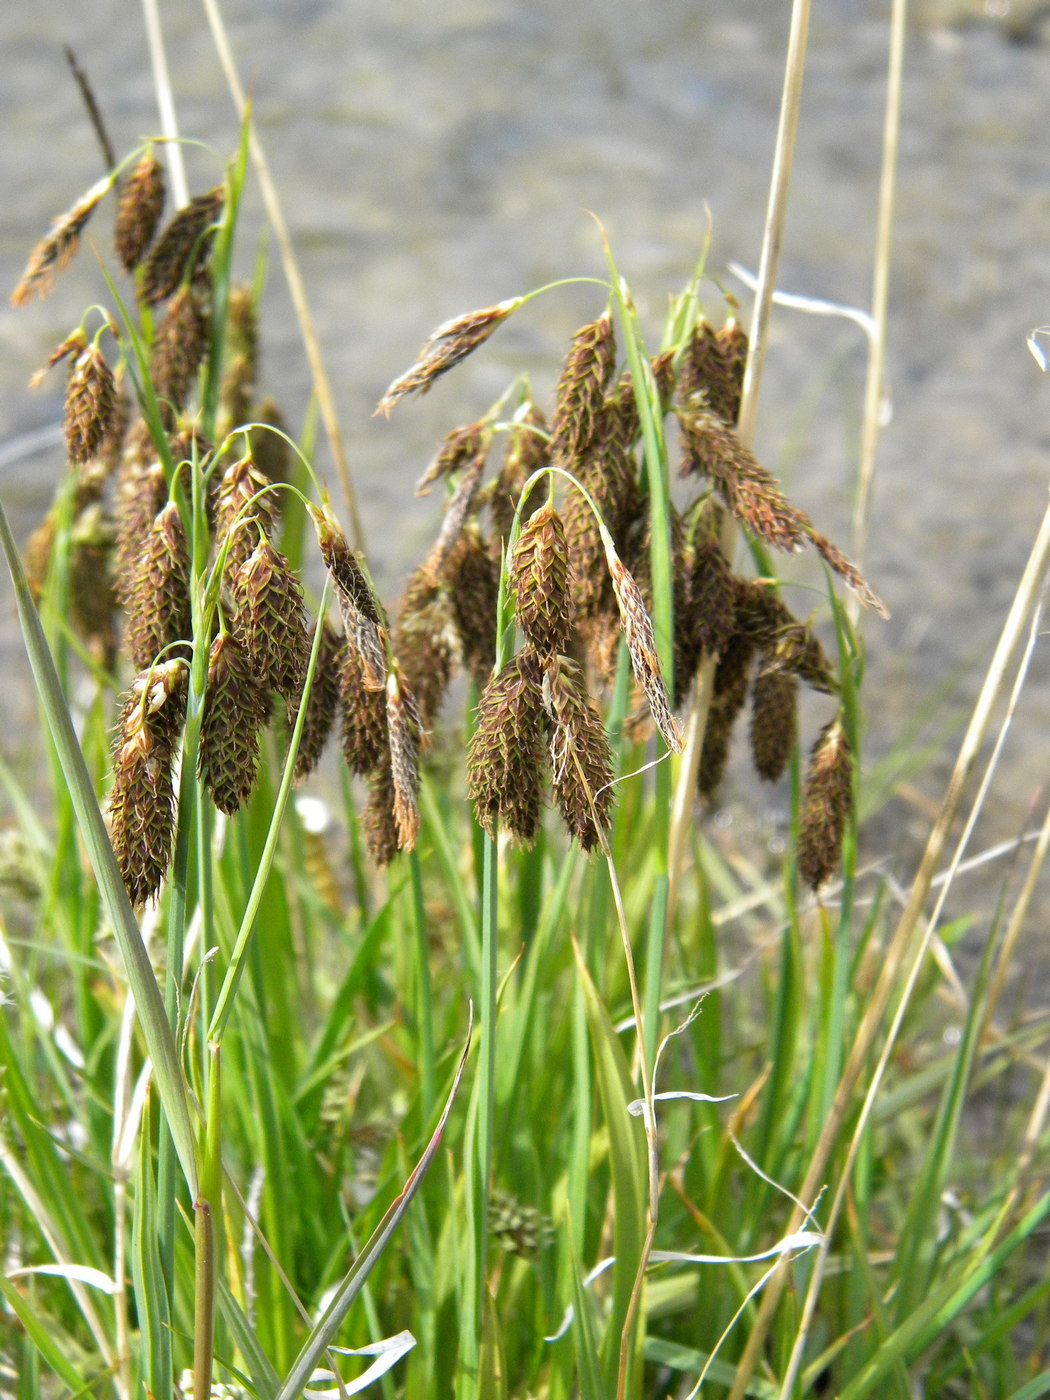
x=88 y=94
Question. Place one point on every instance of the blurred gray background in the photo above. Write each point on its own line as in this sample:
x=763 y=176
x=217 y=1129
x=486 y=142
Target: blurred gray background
x=434 y=158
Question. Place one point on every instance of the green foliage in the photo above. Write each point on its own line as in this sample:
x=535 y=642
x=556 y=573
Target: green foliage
x=332 y=1185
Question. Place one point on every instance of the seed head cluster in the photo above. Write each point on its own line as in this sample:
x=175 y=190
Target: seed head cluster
x=182 y=533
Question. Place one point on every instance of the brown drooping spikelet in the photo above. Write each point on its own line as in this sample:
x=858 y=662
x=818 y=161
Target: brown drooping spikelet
x=55 y=250
x=179 y=347
x=641 y=646
x=110 y=449
x=581 y=387
x=142 y=799
x=362 y=615
x=236 y=710
x=711 y=372
x=382 y=836
x=750 y=491
x=528 y=449
x=662 y=367
x=622 y=406
x=72 y=345
x=581 y=759
x=827 y=797
x=732 y=340
x=92 y=598
x=471 y=581
x=37 y=551
x=774 y=721
x=459 y=448
x=607 y=473
x=425 y=641
x=540 y=582
x=182 y=246
x=157 y=596
x=774 y=629
x=322 y=704
x=91 y=405
x=445 y=347
x=457 y=511
x=241 y=357
x=138 y=210
x=141 y=493
x=363 y=710
x=243 y=514
x=713 y=595
x=849 y=573
x=402 y=721
x=505 y=756
x=729 y=692
x=271 y=620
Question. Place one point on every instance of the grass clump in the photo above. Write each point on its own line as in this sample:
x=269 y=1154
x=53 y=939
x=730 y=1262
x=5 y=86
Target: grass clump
x=710 y=1134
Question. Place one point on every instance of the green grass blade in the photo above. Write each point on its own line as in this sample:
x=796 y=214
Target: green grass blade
x=155 y=1028
x=325 y=1331
x=627 y=1158
x=44 y=1334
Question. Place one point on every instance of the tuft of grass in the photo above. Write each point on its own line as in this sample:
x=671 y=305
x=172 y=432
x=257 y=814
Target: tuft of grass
x=711 y=1134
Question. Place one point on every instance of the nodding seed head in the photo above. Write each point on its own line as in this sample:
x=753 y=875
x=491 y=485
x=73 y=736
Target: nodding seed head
x=157 y=594
x=444 y=348
x=236 y=711
x=382 y=835
x=182 y=246
x=403 y=734
x=540 y=582
x=581 y=758
x=425 y=640
x=470 y=580
x=323 y=702
x=751 y=493
x=139 y=209
x=774 y=721
x=641 y=646
x=363 y=617
x=460 y=448
x=57 y=246
x=179 y=347
x=711 y=370
x=363 y=711
x=581 y=388
x=142 y=799
x=243 y=514
x=827 y=798
x=91 y=405
x=271 y=620
x=729 y=693
x=505 y=757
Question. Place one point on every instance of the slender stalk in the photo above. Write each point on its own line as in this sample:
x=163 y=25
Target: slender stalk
x=1025 y=600
x=424 y=996
x=293 y=275
x=758 y=343
x=169 y=124
x=205 y=1254
x=649 y=1121
x=874 y=387
x=917 y=961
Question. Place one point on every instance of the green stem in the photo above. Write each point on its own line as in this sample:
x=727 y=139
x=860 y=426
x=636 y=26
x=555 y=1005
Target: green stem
x=204 y=1231
x=424 y=994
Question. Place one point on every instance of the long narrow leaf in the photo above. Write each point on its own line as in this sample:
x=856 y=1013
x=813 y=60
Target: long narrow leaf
x=159 y=1039
x=324 y=1333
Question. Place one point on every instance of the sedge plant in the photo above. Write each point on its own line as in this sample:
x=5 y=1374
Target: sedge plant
x=250 y=1143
